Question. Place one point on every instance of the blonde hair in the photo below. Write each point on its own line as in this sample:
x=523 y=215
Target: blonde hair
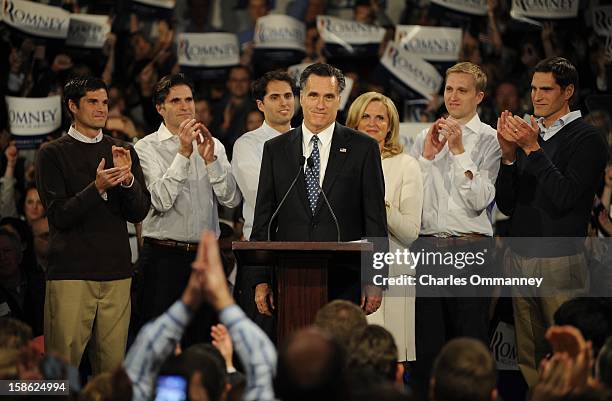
x=480 y=78
x=391 y=147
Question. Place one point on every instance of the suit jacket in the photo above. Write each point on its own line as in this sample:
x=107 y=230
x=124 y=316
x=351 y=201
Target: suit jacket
x=353 y=183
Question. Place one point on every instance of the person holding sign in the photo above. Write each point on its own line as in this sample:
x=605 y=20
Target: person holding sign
x=459 y=158
x=90 y=186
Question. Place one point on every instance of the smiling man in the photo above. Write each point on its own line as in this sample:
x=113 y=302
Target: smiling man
x=187 y=173
x=345 y=163
x=90 y=186
x=550 y=170
x=459 y=159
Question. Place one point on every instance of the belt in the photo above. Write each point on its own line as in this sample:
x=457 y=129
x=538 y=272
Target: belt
x=184 y=246
x=455 y=240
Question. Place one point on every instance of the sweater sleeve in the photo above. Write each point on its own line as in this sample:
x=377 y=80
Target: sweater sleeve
x=505 y=188
x=135 y=200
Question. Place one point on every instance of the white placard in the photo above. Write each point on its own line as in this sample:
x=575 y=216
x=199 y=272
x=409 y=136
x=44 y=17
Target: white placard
x=503 y=347
x=36 y=19
x=413 y=71
x=34 y=116
x=216 y=49
x=602 y=20
x=279 y=32
x=346 y=93
x=473 y=7
x=295 y=71
x=549 y=9
x=347 y=33
x=88 y=30
x=168 y=4
x=430 y=43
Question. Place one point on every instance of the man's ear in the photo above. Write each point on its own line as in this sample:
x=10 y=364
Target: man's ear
x=72 y=106
x=260 y=105
x=479 y=97
x=399 y=373
x=568 y=92
x=159 y=108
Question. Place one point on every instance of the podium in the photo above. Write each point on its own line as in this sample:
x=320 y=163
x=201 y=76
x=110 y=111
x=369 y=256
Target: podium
x=301 y=271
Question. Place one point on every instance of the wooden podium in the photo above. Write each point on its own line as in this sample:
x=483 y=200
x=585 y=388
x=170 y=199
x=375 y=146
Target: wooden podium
x=301 y=274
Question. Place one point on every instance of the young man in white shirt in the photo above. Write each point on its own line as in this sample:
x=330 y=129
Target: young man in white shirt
x=187 y=173
x=459 y=158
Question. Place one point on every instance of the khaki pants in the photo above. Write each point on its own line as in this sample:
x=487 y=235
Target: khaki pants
x=78 y=310
x=563 y=279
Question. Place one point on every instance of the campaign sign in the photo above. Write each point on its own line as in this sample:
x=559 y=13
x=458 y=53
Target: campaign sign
x=36 y=19
x=279 y=32
x=348 y=38
x=34 y=116
x=88 y=31
x=473 y=7
x=430 y=43
x=209 y=50
x=548 y=9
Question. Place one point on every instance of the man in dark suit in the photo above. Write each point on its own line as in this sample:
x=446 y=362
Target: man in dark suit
x=344 y=162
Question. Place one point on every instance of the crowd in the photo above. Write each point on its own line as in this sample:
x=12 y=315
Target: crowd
x=101 y=243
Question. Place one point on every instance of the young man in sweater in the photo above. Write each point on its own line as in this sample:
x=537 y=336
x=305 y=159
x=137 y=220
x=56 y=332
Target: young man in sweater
x=90 y=186
x=549 y=172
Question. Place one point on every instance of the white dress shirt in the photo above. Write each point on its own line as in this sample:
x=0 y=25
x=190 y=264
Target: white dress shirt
x=454 y=204
x=184 y=192
x=325 y=138
x=246 y=164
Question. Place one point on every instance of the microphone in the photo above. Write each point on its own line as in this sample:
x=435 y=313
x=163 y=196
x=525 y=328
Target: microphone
x=300 y=168
x=310 y=164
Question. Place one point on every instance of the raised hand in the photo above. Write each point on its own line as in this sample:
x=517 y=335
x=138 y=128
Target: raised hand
x=451 y=129
x=212 y=280
x=122 y=158
x=507 y=142
x=188 y=132
x=108 y=178
x=206 y=144
x=433 y=145
x=223 y=342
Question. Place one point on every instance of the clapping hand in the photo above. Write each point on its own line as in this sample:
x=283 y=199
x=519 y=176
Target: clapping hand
x=122 y=158
x=433 y=144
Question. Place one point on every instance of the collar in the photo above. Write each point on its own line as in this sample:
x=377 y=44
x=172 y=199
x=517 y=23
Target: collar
x=566 y=119
x=324 y=136
x=269 y=130
x=84 y=138
x=474 y=124
x=163 y=133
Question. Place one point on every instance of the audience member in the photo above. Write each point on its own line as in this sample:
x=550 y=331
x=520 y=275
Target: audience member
x=373 y=350
x=341 y=319
x=32 y=206
x=7 y=183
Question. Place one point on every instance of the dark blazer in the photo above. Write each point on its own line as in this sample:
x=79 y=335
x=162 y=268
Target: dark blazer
x=353 y=183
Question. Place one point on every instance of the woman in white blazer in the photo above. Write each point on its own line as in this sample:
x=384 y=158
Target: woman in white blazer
x=375 y=115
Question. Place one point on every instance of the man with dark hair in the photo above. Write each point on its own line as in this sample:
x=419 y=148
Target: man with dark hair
x=274 y=95
x=550 y=169
x=14 y=334
x=88 y=205
x=343 y=162
x=464 y=370
x=341 y=319
x=310 y=367
x=374 y=350
x=187 y=173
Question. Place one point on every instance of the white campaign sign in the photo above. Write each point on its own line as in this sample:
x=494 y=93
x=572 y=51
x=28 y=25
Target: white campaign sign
x=503 y=347
x=430 y=43
x=474 y=7
x=279 y=32
x=346 y=93
x=36 y=19
x=88 y=30
x=602 y=20
x=169 y=4
x=346 y=33
x=549 y=9
x=413 y=71
x=34 y=116
x=295 y=71
x=216 y=49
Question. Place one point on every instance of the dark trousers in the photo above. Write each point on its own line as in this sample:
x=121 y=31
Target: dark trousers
x=439 y=319
x=166 y=271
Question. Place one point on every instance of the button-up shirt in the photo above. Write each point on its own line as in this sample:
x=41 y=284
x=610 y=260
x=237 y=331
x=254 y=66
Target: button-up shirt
x=548 y=132
x=454 y=204
x=246 y=164
x=325 y=138
x=184 y=191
